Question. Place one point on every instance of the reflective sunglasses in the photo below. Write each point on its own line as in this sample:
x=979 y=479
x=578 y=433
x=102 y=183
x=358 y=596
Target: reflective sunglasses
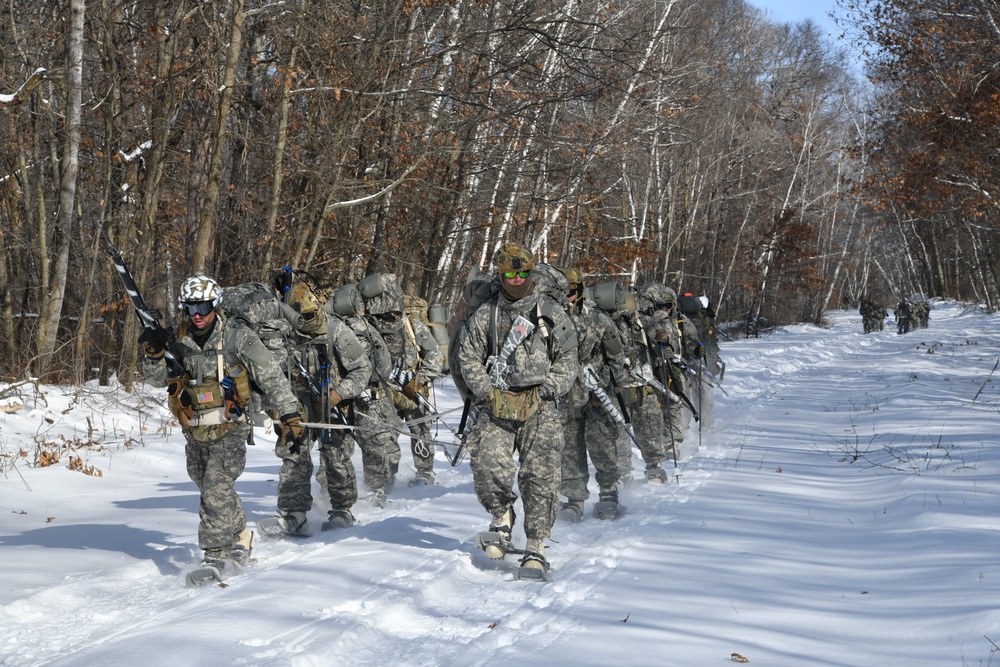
x=198 y=307
x=510 y=275
x=666 y=305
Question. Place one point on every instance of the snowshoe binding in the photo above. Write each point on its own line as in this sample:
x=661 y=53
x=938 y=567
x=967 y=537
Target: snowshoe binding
x=571 y=511
x=211 y=570
x=534 y=565
x=423 y=478
x=656 y=475
x=608 y=506
x=291 y=524
x=496 y=541
x=338 y=520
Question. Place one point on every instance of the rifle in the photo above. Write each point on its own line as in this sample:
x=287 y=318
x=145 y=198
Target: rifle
x=149 y=318
x=318 y=394
x=645 y=373
x=592 y=382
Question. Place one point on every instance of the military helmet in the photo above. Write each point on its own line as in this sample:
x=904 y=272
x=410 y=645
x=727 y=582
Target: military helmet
x=302 y=299
x=513 y=257
x=200 y=288
x=658 y=294
x=574 y=278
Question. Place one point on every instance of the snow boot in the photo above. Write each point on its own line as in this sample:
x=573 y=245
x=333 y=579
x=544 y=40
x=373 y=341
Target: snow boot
x=240 y=552
x=293 y=524
x=496 y=541
x=534 y=565
x=656 y=474
x=608 y=507
x=213 y=564
x=339 y=519
x=571 y=511
x=377 y=497
x=423 y=478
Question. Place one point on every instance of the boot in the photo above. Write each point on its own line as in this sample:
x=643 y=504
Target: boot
x=294 y=523
x=423 y=478
x=240 y=552
x=571 y=511
x=608 y=507
x=339 y=519
x=534 y=557
x=214 y=558
x=655 y=474
x=502 y=524
x=377 y=497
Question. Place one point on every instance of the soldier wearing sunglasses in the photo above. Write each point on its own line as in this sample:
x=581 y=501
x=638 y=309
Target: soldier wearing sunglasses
x=211 y=401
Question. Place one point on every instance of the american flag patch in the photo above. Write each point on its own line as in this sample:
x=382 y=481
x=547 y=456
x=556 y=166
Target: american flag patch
x=205 y=397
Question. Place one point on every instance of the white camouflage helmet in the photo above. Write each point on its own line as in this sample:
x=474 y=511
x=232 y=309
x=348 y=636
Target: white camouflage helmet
x=200 y=287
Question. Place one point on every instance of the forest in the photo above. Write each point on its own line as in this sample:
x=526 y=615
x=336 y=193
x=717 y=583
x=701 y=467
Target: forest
x=699 y=143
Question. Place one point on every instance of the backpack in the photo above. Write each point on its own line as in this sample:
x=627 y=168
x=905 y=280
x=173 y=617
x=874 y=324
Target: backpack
x=479 y=288
x=348 y=305
x=257 y=306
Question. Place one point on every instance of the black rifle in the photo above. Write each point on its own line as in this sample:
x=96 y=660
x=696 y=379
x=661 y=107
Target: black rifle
x=149 y=318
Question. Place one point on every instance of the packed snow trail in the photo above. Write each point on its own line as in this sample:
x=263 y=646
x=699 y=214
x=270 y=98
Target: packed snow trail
x=818 y=520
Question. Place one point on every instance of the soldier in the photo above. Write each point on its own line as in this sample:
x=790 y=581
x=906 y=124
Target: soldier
x=701 y=314
x=373 y=414
x=872 y=315
x=416 y=362
x=519 y=410
x=588 y=426
x=676 y=342
x=904 y=316
x=332 y=369
x=220 y=359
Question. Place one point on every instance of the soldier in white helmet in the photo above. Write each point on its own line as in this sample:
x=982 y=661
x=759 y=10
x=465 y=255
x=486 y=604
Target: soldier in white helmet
x=210 y=398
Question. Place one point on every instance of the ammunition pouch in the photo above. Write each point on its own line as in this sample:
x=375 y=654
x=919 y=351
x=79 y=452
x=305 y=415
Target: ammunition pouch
x=516 y=406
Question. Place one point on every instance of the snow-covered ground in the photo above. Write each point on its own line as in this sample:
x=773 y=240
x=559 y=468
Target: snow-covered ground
x=841 y=512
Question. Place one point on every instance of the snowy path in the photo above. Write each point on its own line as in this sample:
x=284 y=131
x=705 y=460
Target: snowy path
x=817 y=525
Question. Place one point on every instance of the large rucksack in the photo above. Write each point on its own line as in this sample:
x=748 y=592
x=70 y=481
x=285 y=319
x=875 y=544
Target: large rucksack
x=257 y=306
x=479 y=288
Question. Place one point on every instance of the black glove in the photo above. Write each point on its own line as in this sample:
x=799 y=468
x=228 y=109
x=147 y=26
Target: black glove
x=700 y=351
x=154 y=341
x=291 y=433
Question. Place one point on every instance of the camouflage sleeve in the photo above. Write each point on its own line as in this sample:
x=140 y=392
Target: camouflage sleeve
x=264 y=370
x=353 y=358
x=472 y=354
x=431 y=359
x=565 y=366
x=155 y=371
x=689 y=335
x=614 y=351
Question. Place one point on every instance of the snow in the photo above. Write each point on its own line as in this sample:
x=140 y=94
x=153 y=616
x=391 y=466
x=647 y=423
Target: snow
x=841 y=512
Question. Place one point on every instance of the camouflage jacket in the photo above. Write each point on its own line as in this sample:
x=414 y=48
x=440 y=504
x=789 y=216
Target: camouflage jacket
x=237 y=347
x=600 y=345
x=415 y=349
x=546 y=359
x=636 y=344
x=681 y=336
x=350 y=369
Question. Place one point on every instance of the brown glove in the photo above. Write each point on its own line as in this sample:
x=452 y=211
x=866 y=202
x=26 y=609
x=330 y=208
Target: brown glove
x=662 y=336
x=179 y=402
x=335 y=398
x=411 y=388
x=291 y=433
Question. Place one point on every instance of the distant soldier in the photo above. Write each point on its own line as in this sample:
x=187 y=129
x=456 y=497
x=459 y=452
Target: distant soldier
x=872 y=315
x=699 y=311
x=904 y=316
x=221 y=358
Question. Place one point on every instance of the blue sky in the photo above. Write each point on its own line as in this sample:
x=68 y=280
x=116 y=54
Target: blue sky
x=794 y=11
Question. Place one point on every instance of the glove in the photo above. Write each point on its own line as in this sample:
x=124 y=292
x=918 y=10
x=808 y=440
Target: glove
x=291 y=434
x=661 y=336
x=411 y=388
x=154 y=341
x=335 y=398
x=700 y=351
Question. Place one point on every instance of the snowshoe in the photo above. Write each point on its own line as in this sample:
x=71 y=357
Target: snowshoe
x=608 y=506
x=339 y=519
x=209 y=572
x=423 y=478
x=656 y=475
x=292 y=524
x=571 y=511
x=534 y=565
x=496 y=541
x=377 y=497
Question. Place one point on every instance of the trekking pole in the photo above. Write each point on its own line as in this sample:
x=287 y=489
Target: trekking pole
x=701 y=398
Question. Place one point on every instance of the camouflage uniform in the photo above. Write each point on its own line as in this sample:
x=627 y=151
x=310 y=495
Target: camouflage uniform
x=338 y=365
x=416 y=362
x=644 y=403
x=216 y=447
x=372 y=411
x=674 y=337
x=526 y=419
x=701 y=315
x=589 y=429
x=904 y=316
x=872 y=315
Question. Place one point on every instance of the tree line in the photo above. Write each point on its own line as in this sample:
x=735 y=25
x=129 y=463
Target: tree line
x=695 y=142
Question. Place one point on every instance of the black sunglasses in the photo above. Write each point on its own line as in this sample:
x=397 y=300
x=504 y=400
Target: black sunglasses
x=197 y=307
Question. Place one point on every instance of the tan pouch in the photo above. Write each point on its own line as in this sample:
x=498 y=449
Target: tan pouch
x=514 y=406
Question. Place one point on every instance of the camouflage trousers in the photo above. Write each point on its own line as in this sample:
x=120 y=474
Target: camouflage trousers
x=214 y=468
x=421 y=447
x=295 y=478
x=675 y=422
x=593 y=432
x=376 y=442
x=647 y=423
x=538 y=444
